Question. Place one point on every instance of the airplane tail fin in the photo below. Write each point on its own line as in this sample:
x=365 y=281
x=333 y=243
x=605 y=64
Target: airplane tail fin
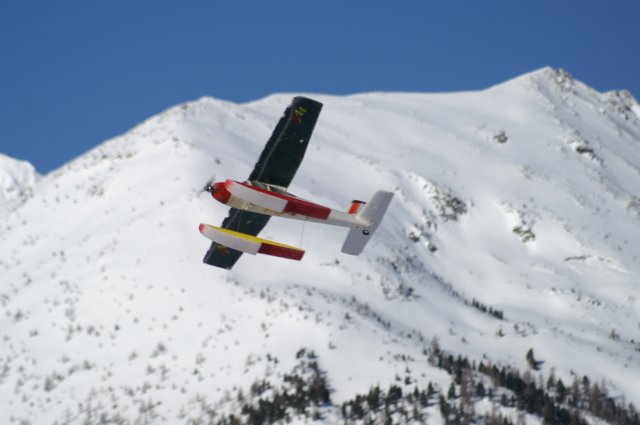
x=373 y=211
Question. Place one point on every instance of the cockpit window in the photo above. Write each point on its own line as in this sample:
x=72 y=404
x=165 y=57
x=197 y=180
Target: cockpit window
x=269 y=187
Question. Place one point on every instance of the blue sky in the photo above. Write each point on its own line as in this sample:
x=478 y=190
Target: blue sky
x=76 y=72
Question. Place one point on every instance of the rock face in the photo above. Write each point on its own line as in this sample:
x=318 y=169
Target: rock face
x=515 y=226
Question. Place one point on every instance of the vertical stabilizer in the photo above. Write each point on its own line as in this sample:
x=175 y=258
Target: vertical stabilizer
x=372 y=212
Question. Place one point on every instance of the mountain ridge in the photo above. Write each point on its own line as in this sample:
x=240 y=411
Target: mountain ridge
x=503 y=198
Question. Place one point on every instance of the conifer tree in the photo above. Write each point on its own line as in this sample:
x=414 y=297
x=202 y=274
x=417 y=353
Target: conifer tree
x=533 y=364
x=451 y=394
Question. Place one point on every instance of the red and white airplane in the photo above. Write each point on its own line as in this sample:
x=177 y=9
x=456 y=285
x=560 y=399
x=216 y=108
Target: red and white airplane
x=362 y=218
x=265 y=194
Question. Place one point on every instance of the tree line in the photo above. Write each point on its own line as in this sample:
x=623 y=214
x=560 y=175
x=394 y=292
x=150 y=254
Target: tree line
x=306 y=391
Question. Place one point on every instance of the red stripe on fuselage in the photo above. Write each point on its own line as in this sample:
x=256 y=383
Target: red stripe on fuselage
x=308 y=209
x=296 y=205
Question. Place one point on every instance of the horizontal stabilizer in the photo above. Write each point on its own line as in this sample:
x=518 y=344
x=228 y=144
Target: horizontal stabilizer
x=249 y=244
x=372 y=212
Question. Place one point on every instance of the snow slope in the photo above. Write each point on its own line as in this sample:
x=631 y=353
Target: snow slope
x=17 y=179
x=523 y=197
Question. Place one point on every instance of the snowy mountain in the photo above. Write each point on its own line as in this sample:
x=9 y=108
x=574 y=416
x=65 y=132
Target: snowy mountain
x=17 y=179
x=515 y=226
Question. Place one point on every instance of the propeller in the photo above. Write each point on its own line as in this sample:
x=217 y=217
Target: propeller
x=207 y=187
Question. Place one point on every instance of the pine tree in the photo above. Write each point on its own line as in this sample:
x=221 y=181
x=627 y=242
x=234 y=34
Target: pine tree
x=480 y=391
x=434 y=351
x=467 y=410
x=373 y=398
x=444 y=408
x=595 y=400
x=424 y=396
x=551 y=382
x=451 y=394
x=561 y=392
x=430 y=390
x=533 y=364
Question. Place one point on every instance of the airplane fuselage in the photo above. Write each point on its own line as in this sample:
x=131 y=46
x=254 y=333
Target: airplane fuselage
x=274 y=201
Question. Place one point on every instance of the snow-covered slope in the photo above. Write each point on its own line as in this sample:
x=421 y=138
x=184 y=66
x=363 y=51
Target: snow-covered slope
x=522 y=198
x=17 y=179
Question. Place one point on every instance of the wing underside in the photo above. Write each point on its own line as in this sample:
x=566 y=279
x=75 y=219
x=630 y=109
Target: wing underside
x=285 y=149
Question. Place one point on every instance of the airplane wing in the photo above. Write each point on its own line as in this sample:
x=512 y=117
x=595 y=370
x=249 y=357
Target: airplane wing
x=277 y=165
x=285 y=149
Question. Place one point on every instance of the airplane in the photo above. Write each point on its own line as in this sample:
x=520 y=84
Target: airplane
x=264 y=194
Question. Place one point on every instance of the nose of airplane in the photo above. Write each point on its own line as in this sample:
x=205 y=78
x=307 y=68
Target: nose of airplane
x=220 y=193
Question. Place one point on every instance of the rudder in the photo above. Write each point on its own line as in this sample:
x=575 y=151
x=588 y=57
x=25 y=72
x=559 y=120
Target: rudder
x=373 y=212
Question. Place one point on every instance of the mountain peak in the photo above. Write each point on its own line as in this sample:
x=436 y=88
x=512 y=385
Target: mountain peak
x=514 y=226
